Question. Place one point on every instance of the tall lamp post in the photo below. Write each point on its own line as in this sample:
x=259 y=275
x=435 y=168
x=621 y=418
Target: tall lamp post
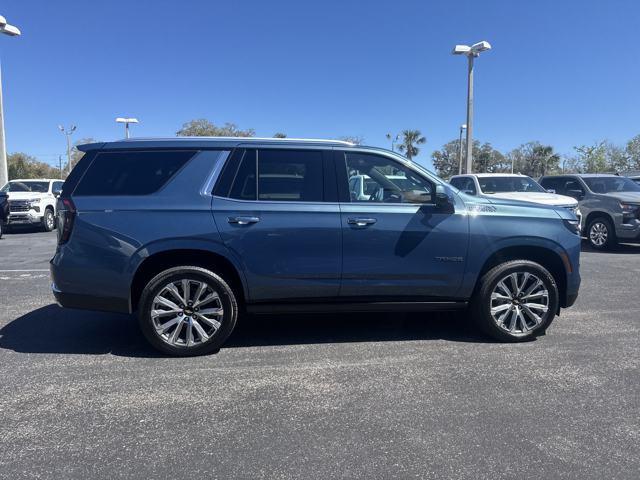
x=12 y=31
x=462 y=127
x=126 y=122
x=68 y=133
x=471 y=52
x=394 y=140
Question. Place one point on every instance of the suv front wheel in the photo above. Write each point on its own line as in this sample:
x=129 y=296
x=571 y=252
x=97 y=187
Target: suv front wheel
x=187 y=311
x=515 y=301
x=601 y=234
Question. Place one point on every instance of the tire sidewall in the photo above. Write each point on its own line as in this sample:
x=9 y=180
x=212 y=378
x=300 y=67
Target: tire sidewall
x=610 y=234
x=45 y=223
x=482 y=301
x=227 y=298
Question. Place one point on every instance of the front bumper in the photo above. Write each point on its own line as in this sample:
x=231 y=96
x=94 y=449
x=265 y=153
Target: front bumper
x=24 y=218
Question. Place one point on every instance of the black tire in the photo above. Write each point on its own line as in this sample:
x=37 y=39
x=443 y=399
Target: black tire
x=48 y=220
x=214 y=282
x=600 y=223
x=481 y=303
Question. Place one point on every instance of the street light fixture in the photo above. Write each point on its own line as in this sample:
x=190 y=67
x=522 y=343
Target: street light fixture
x=11 y=31
x=68 y=133
x=470 y=52
x=462 y=127
x=126 y=122
x=394 y=140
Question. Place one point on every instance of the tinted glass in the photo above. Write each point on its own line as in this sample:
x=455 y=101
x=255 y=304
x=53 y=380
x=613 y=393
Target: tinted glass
x=611 y=184
x=244 y=183
x=131 y=173
x=57 y=187
x=554 y=183
x=508 y=184
x=26 y=186
x=464 y=184
x=290 y=175
x=386 y=181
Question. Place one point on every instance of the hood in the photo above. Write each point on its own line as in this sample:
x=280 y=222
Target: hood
x=633 y=197
x=26 y=195
x=543 y=198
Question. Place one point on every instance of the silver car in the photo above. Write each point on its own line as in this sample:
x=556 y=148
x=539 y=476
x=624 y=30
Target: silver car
x=610 y=206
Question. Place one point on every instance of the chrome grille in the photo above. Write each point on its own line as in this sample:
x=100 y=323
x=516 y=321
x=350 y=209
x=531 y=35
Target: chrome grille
x=18 y=206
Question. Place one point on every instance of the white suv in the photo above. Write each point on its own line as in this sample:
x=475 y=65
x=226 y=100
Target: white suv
x=33 y=201
x=512 y=187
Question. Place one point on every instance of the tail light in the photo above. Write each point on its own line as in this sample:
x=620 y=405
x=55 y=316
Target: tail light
x=66 y=217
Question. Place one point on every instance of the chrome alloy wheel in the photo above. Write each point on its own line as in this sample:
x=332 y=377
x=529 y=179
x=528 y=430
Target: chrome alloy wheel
x=519 y=303
x=598 y=234
x=49 y=219
x=186 y=313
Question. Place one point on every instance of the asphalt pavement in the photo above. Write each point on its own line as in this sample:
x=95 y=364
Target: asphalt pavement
x=319 y=396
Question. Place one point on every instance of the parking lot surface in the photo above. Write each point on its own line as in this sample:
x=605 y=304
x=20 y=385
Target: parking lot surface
x=320 y=396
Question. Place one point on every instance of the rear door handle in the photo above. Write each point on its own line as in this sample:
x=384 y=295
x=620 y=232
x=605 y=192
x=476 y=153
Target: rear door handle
x=361 y=222
x=243 y=220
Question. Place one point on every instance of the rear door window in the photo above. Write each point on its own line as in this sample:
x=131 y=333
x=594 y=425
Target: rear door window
x=282 y=176
x=131 y=172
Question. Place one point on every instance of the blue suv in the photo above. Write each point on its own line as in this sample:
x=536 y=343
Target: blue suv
x=188 y=232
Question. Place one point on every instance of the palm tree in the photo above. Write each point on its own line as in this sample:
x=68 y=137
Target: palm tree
x=410 y=140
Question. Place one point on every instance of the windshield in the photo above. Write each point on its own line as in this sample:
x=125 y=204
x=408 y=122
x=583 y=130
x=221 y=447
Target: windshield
x=611 y=184
x=26 y=186
x=508 y=184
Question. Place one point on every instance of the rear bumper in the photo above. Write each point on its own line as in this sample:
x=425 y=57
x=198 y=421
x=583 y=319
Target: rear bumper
x=89 y=302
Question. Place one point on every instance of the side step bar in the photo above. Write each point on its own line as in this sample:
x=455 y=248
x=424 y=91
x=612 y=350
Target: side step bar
x=265 y=308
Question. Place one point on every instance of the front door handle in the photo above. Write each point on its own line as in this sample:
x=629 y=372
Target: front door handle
x=361 y=222
x=243 y=220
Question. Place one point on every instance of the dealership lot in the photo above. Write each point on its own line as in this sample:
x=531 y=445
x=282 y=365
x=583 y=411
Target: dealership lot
x=353 y=396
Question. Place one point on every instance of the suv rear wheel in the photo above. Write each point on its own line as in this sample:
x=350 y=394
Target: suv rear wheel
x=186 y=311
x=515 y=301
x=601 y=234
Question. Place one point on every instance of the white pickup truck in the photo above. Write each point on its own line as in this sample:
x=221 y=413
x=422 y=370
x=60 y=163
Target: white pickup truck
x=33 y=201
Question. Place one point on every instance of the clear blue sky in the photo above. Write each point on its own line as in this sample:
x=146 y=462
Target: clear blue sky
x=562 y=72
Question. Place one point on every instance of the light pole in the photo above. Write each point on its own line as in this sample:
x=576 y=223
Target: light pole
x=126 y=122
x=12 y=31
x=68 y=133
x=462 y=127
x=471 y=52
x=394 y=140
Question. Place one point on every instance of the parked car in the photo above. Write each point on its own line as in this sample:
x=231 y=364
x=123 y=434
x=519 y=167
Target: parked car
x=363 y=186
x=4 y=211
x=33 y=201
x=633 y=175
x=610 y=206
x=188 y=232
x=514 y=187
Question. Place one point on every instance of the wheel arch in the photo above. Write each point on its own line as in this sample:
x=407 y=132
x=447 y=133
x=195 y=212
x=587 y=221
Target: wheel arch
x=548 y=258
x=595 y=214
x=165 y=259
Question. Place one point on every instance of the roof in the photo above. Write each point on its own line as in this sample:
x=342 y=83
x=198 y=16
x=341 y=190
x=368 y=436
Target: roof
x=482 y=175
x=220 y=142
x=36 y=180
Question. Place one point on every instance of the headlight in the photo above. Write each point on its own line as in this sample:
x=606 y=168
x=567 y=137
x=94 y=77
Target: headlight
x=573 y=226
x=33 y=201
x=629 y=208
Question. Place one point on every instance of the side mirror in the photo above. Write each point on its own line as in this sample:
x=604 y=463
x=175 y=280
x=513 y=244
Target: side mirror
x=56 y=193
x=469 y=192
x=551 y=190
x=443 y=200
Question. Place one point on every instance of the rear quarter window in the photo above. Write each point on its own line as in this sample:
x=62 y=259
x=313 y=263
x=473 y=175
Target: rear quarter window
x=131 y=172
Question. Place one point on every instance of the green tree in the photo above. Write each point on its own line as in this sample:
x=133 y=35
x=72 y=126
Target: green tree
x=21 y=165
x=486 y=159
x=632 y=151
x=592 y=158
x=204 y=128
x=410 y=141
x=279 y=135
x=534 y=159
